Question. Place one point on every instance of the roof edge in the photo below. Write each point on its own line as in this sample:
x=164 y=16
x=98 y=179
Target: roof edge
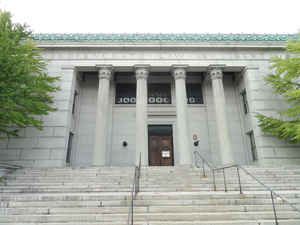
x=160 y=37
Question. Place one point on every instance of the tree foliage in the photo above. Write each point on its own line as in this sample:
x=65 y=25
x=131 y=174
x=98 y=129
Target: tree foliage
x=285 y=80
x=25 y=87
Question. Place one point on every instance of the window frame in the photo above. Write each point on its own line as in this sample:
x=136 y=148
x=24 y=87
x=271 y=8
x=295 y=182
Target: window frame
x=169 y=94
x=119 y=96
x=201 y=93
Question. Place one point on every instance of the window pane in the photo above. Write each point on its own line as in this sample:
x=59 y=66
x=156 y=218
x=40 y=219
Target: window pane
x=159 y=94
x=194 y=93
x=125 y=93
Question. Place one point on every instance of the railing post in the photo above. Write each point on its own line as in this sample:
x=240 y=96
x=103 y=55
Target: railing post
x=274 y=209
x=132 y=208
x=214 y=180
x=225 y=185
x=239 y=178
x=203 y=168
x=135 y=180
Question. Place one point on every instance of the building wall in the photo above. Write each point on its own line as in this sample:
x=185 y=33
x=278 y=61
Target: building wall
x=201 y=118
x=271 y=151
x=49 y=147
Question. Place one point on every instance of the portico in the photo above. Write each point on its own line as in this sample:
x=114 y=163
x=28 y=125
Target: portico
x=176 y=77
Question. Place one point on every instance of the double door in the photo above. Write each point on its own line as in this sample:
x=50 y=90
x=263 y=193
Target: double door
x=160 y=145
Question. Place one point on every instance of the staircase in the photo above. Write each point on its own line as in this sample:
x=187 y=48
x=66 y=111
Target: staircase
x=169 y=196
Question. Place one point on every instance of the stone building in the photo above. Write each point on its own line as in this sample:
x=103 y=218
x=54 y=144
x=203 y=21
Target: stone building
x=161 y=96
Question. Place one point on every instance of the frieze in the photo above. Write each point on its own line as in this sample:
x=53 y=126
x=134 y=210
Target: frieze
x=157 y=55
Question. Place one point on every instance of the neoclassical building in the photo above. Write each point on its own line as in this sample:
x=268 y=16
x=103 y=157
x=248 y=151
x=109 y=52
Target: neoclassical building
x=156 y=96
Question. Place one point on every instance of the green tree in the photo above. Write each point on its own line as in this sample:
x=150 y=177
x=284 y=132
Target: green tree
x=285 y=80
x=25 y=87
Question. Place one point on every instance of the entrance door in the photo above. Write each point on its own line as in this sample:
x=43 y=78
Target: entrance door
x=160 y=145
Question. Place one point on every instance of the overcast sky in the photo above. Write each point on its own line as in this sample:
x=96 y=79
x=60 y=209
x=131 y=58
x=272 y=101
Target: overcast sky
x=156 y=16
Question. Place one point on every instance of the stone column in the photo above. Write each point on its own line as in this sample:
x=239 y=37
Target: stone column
x=184 y=145
x=141 y=74
x=225 y=148
x=100 y=146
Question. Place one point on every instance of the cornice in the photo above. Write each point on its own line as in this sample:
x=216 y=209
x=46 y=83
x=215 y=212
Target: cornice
x=163 y=37
x=123 y=41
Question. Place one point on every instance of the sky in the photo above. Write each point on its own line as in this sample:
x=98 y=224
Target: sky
x=156 y=16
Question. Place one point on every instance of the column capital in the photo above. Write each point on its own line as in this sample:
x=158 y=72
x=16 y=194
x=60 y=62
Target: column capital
x=216 y=74
x=216 y=71
x=142 y=71
x=179 y=71
x=105 y=71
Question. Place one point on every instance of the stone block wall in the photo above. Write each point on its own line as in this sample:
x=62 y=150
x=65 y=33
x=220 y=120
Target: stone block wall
x=262 y=99
x=46 y=148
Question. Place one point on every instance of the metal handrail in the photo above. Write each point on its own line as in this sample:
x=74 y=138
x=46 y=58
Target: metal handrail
x=210 y=166
x=238 y=167
x=134 y=190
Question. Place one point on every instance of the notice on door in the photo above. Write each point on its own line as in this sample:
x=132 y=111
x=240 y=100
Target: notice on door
x=165 y=154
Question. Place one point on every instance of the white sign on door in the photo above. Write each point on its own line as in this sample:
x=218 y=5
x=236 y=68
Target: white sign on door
x=165 y=154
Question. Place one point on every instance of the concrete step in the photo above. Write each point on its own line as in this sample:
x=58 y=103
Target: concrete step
x=170 y=195
x=120 y=189
x=140 y=209
x=146 y=181
x=236 y=222
x=151 y=196
x=223 y=216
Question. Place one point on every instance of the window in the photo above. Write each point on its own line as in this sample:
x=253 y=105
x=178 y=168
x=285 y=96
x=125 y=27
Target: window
x=74 y=101
x=253 y=146
x=125 y=93
x=69 y=150
x=194 y=93
x=159 y=94
x=245 y=101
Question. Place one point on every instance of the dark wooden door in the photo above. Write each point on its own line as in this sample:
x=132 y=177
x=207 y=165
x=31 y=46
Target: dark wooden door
x=160 y=151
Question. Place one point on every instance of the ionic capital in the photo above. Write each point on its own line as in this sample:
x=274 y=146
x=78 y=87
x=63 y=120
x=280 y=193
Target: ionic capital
x=179 y=71
x=216 y=71
x=105 y=71
x=142 y=72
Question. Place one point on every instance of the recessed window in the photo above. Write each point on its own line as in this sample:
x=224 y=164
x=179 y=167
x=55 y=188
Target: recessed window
x=74 y=101
x=253 y=146
x=125 y=93
x=194 y=93
x=245 y=101
x=159 y=94
x=69 y=149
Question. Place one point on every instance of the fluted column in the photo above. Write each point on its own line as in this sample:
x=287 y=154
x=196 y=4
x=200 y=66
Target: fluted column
x=185 y=155
x=225 y=148
x=100 y=144
x=141 y=74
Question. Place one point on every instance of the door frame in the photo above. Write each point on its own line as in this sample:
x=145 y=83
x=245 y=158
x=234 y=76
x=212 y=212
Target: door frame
x=172 y=140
